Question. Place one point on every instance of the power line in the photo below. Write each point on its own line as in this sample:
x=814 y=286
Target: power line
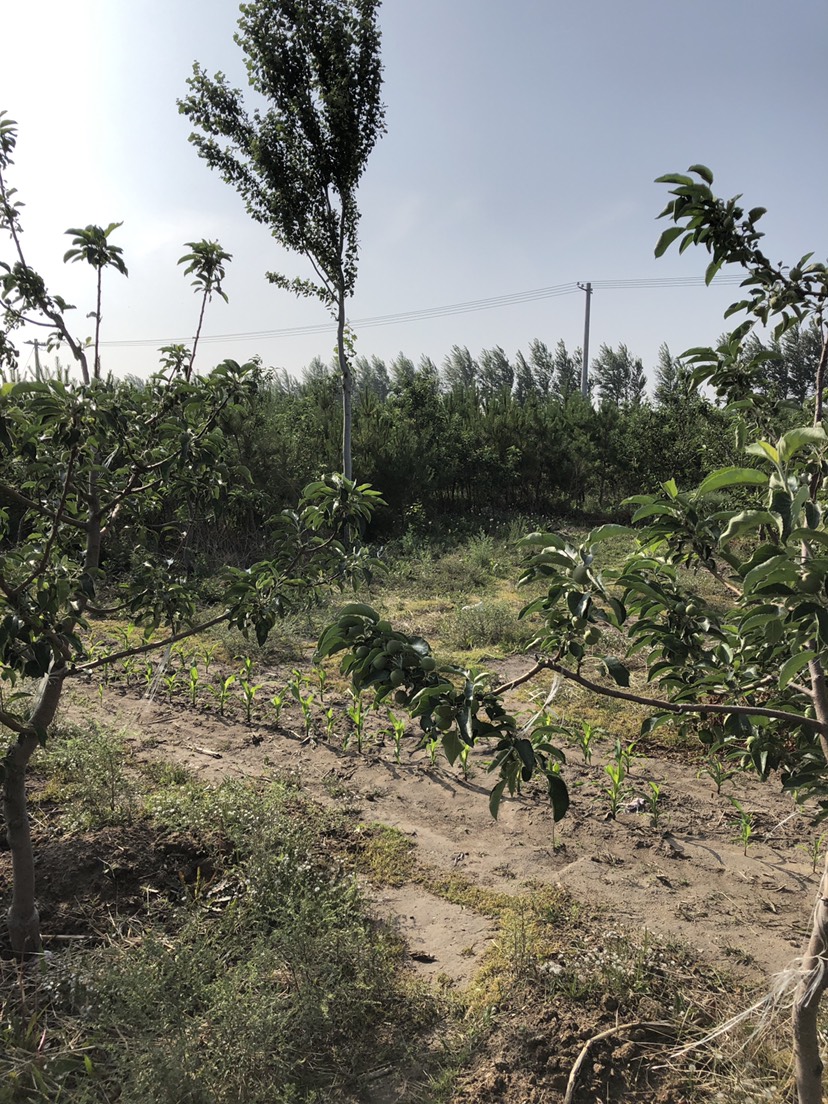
x=447 y=311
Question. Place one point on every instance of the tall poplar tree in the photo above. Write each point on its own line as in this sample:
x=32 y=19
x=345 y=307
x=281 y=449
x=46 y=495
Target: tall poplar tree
x=297 y=162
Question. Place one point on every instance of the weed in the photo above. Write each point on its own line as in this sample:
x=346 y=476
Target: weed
x=89 y=763
x=485 y=624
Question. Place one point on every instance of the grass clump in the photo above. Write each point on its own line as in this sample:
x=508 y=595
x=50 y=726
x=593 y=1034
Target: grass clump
x=487 y=624
x=86 y=772
x=271 y=984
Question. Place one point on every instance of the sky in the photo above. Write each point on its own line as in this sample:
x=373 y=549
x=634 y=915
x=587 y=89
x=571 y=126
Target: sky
x=523 y=139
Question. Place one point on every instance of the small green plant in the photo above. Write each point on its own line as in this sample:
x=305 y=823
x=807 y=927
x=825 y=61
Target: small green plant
x=744 y=832
x=88 y=764
x=330 y=718
x=169 y=684
x=653 y=799
x=465 y=752
x=624 y=754
x=356 y=713
x=433 y=746
x=193 y=687
x=278 y=702
x=207 y=655
x=306 y=705
x=397 y=731
x=249 y=691
x=814 y=850
x=583 y=736
x=322 y=679
x=149 y=676
x=716 y=768
x=615 y=791
x=221 y=691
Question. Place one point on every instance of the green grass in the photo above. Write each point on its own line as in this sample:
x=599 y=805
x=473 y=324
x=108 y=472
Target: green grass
x=272 y=984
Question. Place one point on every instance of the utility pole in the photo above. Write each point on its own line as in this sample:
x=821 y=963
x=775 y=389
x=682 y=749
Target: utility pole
x=585 y=362
x=36 y=344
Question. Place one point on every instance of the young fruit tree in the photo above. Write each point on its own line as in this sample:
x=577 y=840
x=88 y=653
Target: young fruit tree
x=298 y=162
x=96 y=472
x=744 y=669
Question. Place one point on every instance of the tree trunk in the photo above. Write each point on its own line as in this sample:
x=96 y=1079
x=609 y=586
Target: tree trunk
x=807 y=1060
x=347 y=386
x=814 y=977
x=23 y=918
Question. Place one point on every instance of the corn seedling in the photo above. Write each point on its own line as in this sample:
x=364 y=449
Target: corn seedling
x=745 y=828
x=208 y=654
x=356 y=713
x=583 y=737
x=149 y=676
x=249 y=691
x=221 y=691
x=617 y=772
x=465 y=751
x=169 y=682
x=813 y=849
x=306 y=705
x=653 y=799
x=322 y=679
x=129 y=666
x=193 y=684
x=624 y=755
x=278 y=701
x=716 y=768
x=397 y=733
x=297 y=681
x=330 y=717
x=433 y=747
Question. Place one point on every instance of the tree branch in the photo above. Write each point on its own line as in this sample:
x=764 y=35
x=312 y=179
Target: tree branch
x=114 y=657
x=704 y=708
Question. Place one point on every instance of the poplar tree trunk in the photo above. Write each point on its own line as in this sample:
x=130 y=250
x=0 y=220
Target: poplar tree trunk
x=347 y=387
x=23 y=919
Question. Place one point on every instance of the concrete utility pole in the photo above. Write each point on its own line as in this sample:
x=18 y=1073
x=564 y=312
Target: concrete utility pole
x=36 y=343
x=587 y=288
x=585 y=362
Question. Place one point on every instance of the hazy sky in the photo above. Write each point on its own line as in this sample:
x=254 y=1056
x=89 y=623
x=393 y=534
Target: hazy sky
x=523 y=140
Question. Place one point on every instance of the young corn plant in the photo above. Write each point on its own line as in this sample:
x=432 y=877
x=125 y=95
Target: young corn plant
x=220 y=690
x=207 y=654
x=653 y=799
x=716 y=768
x=169 y=684
x=616 y=790
x=397 y=731
x=322 y=679
x=249 y=690
x=583 y=735
x=193 y=685
x=278 y=703
x=306 y=705
x=356 y=713
x=744 y=830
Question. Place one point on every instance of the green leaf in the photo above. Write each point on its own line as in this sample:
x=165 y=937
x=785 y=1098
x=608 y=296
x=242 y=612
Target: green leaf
x=703 y=172
x=732 y=477
x=791 y=442
x=558 y=795
x=763 y=449
x=616 y=670
x=667 y=238
x=746 y=521
x=793 y=666
x=711 y=271
x=495 y=797
x=608 y=532
x=452 y=746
